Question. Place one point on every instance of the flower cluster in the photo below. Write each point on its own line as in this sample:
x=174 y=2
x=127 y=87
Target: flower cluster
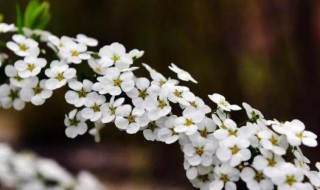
x=218 y=152
x=25 y=171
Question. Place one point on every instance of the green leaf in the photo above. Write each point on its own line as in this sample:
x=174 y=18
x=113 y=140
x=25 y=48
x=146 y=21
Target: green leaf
x=19 y=19
x=1 y=17
x=28 y=13
x=37 y=15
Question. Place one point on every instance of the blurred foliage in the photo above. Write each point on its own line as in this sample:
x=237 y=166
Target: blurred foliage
x=37 y=15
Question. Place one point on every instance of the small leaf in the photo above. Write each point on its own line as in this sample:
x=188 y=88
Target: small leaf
x=19 y=19
x=28 y=14
x=1 y=17
x=37 y=15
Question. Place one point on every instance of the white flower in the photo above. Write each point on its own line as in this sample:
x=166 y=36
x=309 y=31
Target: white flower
x=279 y=127
x=114 y=82
x=157 y=107
x=93 y=107
x=15 y=79
x=228 y=129
x=30 y=66
x=273 y=142
x=83 y=39
x=187 y=123
x=225 y=176
x=234 y=150
x=199 y=152
x=59 y=73
x=267 y=161
x=9 y=96
x=86 y=181
x=151 y=131
x=288 y=177
x=253 y=114
x=75 y=124
x=256 y=180
x=182 y=95
x=57 y=43
x=78 y=97
x=23 y=46
x=130 y=120
x=223 y=103
x=35 y=92
x=205 y=130
x=297 y=135
x=166 y=133
x=50 y=170
x=109 y=109
x=73 y=52
x=115 y=54
x=4 y=28
x=3 y=57
x=98 y=125
x=182 y=74
x=97 y=67
x=41 y=34
x=135 y=53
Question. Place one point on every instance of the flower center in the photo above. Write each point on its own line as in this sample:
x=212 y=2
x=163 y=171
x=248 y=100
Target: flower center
x=224 y=178
x=274 y=141
x=290 y=180
x=272 y=162
x=95 y=108
x=14 y=94
x=18 y=78
x=194 y=104
x=199 y=150
x=59 y=77
x=131 y=119
x=31 y=67
x=259 y=177
x=37 y=89
x=74 y=122
x=162 y=104
x=178 y=93
x=204 y=133
x=82 y=93
x=112 y=110
x=117 y=82
x=23 y=47
x=143 y=93
x=188 y=122
x=234 y=149
x=162 y=82
x=115 y=58
x=224 y=103
x=233 y=132
x=74 y=53
x=299 y=135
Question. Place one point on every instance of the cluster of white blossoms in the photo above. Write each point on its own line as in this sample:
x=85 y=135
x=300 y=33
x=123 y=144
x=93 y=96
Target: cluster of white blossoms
x=26 y=171
x=218 y=152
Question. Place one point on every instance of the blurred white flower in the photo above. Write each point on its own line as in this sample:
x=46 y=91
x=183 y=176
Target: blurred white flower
x=223 y=103
x=23 y=46
x=182 y=74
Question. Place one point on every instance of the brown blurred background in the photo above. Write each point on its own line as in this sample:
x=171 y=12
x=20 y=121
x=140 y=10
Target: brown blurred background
x=263 y=52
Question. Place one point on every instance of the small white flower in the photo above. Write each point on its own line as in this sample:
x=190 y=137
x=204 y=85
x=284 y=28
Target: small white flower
x=135 y=53
x=97 y=67
x=4 y=28
x=253 y=114
x=181 y=95
x=93 y=107
x=205 y=130
x=223 y=103
x=182 y=74
x=228 y=129
x=3 y=57
x=35 y=92
x=273 y=142
x=15 y=79
x=57 y=43
x=87 y=181
x=115 y=54
x=83 y=39
x=23 y=46
x=199 y=152
x=75 y=124
x=59 y=73
x=109 y=110
x=188 y=122
x=267 y=161
x=41 y=34
x=114 y=82
x=130 y=120
x=288 y=177
x=256 y=180
x=167 y=134
x=30 y=66
x=10 y=97
x=225 y=176
x=78 y=97
x=234 y=151
x=98 y=125
x=73 y=52
x=157 y=107
x=297 y=135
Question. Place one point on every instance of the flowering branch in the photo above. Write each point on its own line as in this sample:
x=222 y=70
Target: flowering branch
x=218 y=152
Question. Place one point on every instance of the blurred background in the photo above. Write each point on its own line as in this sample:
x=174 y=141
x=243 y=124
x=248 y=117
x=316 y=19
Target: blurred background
x=263 y=52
